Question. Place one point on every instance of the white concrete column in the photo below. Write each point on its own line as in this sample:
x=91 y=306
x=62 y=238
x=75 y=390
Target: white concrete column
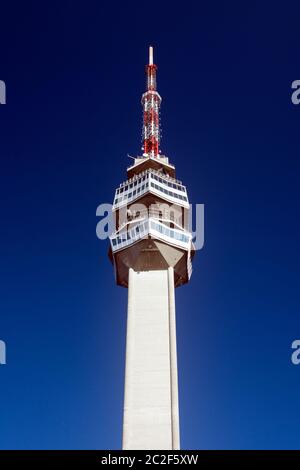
x=151 y=391
x=173 y=362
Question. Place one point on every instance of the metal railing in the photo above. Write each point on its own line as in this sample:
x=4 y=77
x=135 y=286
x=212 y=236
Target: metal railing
x=143 y=183
x=150 y=226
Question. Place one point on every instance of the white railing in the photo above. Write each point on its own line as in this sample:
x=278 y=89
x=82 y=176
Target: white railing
x=153 y=227
x=151 y=181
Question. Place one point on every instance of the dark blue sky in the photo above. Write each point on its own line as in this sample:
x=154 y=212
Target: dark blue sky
x=75 y=73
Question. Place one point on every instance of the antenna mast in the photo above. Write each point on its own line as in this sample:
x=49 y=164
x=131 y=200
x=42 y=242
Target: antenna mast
x=151 y=101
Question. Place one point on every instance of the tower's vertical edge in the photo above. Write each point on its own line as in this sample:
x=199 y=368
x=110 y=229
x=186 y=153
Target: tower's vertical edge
x=173 y=362
x=126 y=439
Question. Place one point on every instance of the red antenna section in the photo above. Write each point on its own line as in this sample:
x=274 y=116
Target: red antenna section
x=151 y=101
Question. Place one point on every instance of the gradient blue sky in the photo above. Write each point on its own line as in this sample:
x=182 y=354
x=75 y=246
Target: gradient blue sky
x=75 y=73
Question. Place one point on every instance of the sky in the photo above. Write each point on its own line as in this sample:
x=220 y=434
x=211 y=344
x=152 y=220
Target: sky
x=74 y=74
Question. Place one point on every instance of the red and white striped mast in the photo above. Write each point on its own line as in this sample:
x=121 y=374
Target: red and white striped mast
x=151 y=101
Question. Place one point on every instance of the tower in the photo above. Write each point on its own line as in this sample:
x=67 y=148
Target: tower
x=151 y=250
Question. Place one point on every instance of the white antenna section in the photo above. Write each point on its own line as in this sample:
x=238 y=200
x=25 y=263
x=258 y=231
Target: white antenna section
x=150 y=55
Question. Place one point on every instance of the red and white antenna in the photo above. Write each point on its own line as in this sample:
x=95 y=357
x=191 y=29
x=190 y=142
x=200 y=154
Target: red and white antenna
x=151 y=101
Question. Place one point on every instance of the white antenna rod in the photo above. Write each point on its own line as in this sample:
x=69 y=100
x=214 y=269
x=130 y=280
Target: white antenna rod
x=150 y=55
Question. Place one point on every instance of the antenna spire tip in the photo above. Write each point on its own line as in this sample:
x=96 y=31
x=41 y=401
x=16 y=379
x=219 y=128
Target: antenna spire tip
x=150 y=55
